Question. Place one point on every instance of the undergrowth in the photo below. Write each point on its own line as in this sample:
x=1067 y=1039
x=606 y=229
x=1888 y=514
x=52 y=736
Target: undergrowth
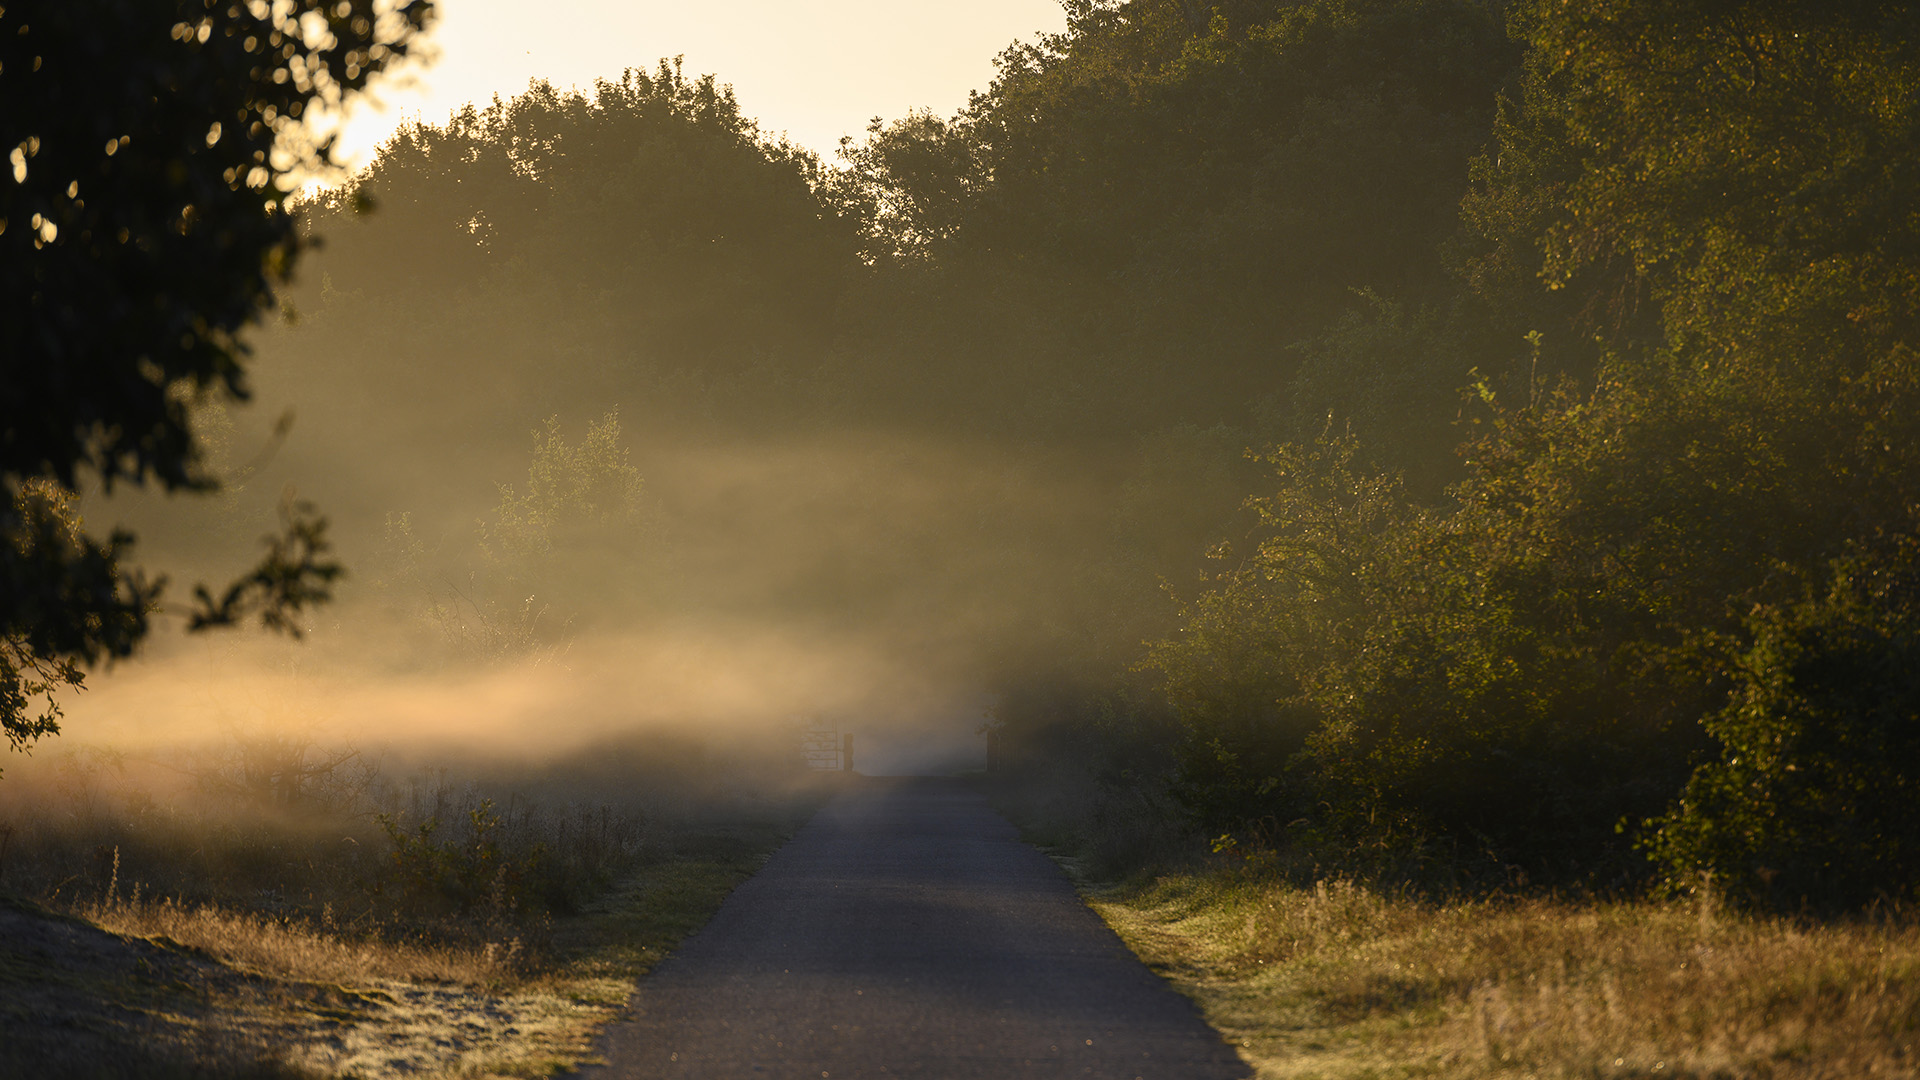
x=396 y=925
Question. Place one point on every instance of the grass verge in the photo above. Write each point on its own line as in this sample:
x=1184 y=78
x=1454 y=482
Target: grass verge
x=126 y=986
x=1339 y=981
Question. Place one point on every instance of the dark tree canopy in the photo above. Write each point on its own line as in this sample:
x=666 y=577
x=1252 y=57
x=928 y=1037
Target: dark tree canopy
x=1670 y=603
x=143 y=226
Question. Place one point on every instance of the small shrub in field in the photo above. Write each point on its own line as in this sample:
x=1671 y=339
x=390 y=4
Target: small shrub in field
x=465 y=853
x=465 y=870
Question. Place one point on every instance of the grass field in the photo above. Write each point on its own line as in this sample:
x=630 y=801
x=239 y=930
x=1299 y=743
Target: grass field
x=1338 y=981
x=432 y=932
x=1333 y=979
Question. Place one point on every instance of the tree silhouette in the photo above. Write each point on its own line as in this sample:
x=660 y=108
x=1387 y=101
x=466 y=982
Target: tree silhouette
x=143 y=225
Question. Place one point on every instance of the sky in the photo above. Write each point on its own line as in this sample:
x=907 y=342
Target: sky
x=816 y=69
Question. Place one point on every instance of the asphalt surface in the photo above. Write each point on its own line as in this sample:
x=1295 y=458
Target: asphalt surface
x=906 y=931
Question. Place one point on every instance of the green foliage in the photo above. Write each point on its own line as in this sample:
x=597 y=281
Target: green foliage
x=572 y=494
x=1507 y=677
x=577 y=534
x=642 y=239
x=295 y=575
x=1769 y=137
x=1812 y=797
x=70 y=604
x=1314 y=144
x=1711 y=410
x=581 y=506
x=465 y=871
x=466 y=855
x=910 y=184
x=147 y=223
x=1392 y=376
x=1245 y=670
x=1141 y=212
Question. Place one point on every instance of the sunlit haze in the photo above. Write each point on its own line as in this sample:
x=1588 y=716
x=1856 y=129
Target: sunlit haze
x=816 y=71
x=1410 y=503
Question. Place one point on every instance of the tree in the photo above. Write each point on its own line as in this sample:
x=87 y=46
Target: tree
x=151 y=145
x=638 y=241
x=1141 y=215
x=1678 y=570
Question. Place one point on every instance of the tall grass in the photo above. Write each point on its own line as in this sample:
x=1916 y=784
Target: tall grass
x=1337 y=979
x=1312 y=974
x=290 y=948
x=369 y=922
x=407 y=875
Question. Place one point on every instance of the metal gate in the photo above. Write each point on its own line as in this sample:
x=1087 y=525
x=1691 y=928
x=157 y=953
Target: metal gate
x=828 y=749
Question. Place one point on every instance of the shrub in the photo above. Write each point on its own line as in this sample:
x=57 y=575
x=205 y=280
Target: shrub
x=1812 y=800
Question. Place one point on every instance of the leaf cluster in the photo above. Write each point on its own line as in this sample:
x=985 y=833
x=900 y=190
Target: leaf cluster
x=143 y=227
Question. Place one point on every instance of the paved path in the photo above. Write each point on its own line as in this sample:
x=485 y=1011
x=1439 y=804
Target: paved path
x=906 y=931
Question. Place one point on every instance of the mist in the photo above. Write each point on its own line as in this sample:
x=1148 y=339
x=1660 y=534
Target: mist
x=876 y=583
x=630 y=419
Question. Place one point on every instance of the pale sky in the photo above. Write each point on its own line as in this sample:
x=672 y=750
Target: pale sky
x=816 y=70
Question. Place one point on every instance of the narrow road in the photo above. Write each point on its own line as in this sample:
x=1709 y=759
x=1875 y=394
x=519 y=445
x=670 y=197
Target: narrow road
x=906 y=931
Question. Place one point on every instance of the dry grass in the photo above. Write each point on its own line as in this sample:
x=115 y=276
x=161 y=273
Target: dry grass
x=277 y=996
x=286 y=948
x=1340 y=981
x=230 y=941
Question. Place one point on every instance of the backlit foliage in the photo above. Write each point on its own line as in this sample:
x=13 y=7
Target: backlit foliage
x=143 y=227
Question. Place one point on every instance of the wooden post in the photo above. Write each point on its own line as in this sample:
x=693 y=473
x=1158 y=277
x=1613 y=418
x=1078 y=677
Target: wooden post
x=846 y=752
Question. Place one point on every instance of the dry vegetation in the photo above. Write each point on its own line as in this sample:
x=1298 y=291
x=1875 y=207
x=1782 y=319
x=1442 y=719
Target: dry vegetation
x=283 y=948
x=412 y=928
x=1339 y=980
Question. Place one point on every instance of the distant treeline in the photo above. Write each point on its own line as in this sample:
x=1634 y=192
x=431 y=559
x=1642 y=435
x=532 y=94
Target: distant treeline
x=1574 y=343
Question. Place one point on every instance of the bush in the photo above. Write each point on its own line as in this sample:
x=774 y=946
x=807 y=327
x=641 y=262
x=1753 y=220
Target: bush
x=1812 y=800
